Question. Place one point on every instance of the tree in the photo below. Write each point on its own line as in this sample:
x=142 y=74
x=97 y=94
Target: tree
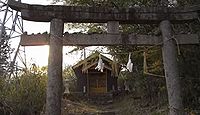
x=5 y=51
x=69 y=77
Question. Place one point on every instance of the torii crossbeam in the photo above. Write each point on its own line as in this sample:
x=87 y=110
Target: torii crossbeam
x=80 y=14
x=106 y=39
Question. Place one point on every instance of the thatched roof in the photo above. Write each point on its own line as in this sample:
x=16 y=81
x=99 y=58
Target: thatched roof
x=92 y=60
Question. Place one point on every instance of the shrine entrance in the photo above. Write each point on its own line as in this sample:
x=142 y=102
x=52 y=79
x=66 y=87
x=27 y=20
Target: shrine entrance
x=97 y=83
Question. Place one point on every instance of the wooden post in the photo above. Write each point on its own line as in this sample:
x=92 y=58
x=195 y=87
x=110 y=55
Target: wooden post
x=113 y=27
x=171 y=69
x=54 y=85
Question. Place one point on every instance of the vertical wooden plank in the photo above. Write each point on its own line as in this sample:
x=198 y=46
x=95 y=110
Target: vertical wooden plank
x=113 y=27
x=106 y=80
x=171 y=69
x=54 y=85
x=88 y=85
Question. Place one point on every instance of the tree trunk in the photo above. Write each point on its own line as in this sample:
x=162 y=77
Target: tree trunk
x=171 y=69
x=54 y=85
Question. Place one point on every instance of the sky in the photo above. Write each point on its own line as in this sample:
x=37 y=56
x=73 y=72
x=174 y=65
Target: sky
x=39 y=54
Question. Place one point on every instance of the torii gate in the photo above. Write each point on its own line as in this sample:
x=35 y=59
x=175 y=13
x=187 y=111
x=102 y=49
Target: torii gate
x=58 y=15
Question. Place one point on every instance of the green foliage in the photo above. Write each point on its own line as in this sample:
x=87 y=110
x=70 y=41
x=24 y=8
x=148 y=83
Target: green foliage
x=187 y=2
x=68 y=73
x=112 y=3
x=70 y=78
x=151 y=89
x=189 y=64
x=5 y=51
x=24 y=94
x=96 y=28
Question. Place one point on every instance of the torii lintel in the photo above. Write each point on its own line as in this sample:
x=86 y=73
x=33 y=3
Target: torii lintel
x=81 y=14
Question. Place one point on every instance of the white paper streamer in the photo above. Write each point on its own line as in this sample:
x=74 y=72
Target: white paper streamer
x=129 y=65
x=100 y=64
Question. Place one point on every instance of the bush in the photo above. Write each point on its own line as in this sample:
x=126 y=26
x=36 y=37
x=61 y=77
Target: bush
x=24 y=95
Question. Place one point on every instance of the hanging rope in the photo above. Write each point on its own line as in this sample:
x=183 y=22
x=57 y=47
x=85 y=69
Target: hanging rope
x=145 y=68
x=145 y=63
x=198 y=19
x=177 y=44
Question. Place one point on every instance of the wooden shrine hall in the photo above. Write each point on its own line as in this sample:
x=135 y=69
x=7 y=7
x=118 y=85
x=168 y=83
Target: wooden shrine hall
x=94 y=82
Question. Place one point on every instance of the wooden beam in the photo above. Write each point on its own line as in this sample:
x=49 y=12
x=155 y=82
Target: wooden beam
x=106 y=39
x=34 y=39
x=80 y=14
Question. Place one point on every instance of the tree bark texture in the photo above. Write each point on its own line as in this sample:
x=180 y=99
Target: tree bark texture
x=171 y=69
x=54 y=85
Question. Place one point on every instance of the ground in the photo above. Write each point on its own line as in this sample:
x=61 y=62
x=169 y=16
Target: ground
x=123 y=105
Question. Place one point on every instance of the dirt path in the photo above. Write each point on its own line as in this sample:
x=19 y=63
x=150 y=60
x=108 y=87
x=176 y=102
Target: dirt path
x=120 y=106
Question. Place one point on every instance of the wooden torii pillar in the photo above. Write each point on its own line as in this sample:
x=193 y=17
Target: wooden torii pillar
x=57 y=15
x=54 y=85
x=169 y=52
x=172 y=77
